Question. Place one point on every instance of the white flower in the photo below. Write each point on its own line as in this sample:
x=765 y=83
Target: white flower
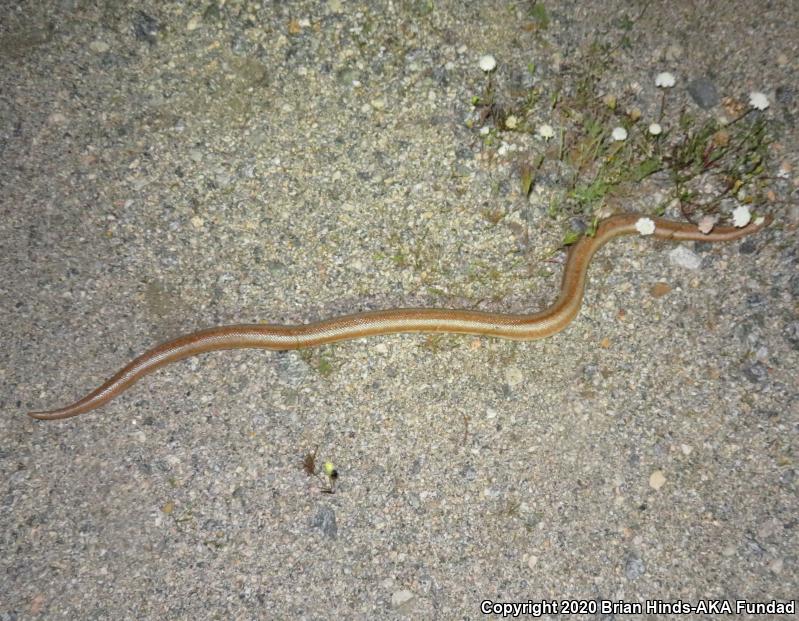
x=741 y=216
x=488 y=63
x=619 y=133
x=665 y=79
x=655 y=129
x=484 y=131
x=758 y=100
x=645 y=226
x=546 y=132
x=511 y=122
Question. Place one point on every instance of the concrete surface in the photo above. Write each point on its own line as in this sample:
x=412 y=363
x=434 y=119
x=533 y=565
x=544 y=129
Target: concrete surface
x=179 y=165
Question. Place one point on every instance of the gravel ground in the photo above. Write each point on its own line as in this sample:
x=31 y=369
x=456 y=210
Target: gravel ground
x=186 y=164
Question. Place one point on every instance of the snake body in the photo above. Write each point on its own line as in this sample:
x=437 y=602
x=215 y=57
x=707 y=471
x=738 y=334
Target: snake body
x=522 y=327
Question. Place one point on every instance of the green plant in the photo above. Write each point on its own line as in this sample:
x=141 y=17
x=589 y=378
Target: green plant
x=605 y=151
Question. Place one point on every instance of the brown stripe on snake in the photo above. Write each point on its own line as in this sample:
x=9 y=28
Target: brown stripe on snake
x=522 y=327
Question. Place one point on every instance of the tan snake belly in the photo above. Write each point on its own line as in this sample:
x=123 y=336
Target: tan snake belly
x=520 y=327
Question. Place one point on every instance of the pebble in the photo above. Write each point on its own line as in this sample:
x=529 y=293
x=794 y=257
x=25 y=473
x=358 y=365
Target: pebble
x=748 y=246
x=704 y=93
x=514 y=376
x=99 y=46
x=791 y=334
x=469 y=473
x=194 y=23
x=657 y=479
x=400 y=598
x=276 y=268
x=145 y=27
x=635 y=568
x=756 y=373
x=292 y=369
x=659 y=289
x=784 y=95
x=685 y=258
x=325 y=520
x=770 y=529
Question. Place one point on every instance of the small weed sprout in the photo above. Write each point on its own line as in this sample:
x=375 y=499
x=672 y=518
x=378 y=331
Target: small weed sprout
x=607 y=147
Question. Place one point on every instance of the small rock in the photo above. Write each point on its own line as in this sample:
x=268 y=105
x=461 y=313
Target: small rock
x=682 y=257
x=756 y=373
x=791 y=333
x=194 y=23
x=325 y=520
x=292 y=369
x=770 y=529
x=784 y=95
x=747 y=246
x=793 y=286
x=657 y=479
x=578 y=225
x=754 y=300
x=400 y=598
x=775 y=566
x=514 y=376
x=99 y=46
x=659 y=289
x=276 y=267
x=704 y=93
x=635 y=568
x=145 y=27
x=469 y=473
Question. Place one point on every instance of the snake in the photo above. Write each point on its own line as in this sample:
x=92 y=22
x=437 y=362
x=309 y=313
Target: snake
x=520 y=327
